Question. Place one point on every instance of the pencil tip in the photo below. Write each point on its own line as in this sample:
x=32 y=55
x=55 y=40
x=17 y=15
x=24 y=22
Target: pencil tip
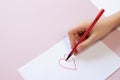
x=68 y=57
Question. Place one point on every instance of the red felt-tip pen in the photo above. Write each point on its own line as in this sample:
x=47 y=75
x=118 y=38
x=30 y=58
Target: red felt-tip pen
x=86 y=33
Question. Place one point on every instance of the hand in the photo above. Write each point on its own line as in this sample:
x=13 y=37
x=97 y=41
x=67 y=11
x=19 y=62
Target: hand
x=101 y=28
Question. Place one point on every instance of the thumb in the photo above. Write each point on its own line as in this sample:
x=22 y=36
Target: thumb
x=90 y=40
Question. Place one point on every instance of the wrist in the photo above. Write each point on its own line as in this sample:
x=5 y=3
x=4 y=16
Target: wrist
x=114 y=20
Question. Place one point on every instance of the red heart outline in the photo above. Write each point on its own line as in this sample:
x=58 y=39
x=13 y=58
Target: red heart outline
x=73 y=60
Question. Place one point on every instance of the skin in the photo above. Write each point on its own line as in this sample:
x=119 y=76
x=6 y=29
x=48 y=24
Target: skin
x=100 y=30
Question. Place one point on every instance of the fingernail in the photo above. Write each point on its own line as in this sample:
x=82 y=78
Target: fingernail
x=75 y=52
x=79 y=49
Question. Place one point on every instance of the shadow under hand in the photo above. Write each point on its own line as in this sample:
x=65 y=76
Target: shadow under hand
x=95 y=52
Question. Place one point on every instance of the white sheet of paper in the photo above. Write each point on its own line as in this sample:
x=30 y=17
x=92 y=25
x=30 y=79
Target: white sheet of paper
x=95 y=63
x=110 y=6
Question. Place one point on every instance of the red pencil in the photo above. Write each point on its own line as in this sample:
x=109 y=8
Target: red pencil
x=86 y=33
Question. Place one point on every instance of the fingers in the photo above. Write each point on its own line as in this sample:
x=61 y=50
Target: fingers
x=72 y=39
x=74 y=35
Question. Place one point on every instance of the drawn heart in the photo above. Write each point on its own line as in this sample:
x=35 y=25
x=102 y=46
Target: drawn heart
x=71 y=65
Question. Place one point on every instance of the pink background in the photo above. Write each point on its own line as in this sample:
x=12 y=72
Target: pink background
x=29 y=27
